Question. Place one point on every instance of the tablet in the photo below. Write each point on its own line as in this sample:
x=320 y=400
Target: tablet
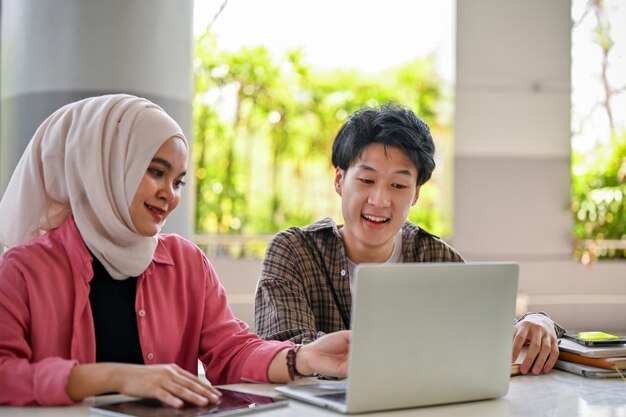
x=232 y=403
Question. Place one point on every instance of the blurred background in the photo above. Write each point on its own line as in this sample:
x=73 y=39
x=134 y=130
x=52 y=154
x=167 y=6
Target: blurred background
x=526 y=101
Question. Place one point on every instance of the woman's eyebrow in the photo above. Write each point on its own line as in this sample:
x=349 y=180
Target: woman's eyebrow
x=162 y=162
x=167 y=165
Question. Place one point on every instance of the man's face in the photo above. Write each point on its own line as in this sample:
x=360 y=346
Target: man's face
x=377 y=191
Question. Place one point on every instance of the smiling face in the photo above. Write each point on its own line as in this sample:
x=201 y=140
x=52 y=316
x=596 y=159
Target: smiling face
x=159 y=191
x=377 y=191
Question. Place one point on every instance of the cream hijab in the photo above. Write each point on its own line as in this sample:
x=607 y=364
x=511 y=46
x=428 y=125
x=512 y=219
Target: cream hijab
x=87 y=160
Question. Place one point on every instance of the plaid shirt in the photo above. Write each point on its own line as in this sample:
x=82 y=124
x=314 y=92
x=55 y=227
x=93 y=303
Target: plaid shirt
x=293 y=298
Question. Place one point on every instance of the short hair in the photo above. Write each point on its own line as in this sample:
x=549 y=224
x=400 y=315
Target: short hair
x=391 y=125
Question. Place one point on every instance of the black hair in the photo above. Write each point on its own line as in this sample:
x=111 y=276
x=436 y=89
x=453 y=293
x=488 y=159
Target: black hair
x=391 y=125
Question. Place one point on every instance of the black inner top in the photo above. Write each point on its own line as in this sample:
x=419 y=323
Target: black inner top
x=115 y=320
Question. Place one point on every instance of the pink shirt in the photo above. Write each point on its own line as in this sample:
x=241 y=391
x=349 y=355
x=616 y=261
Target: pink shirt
x=46 y=325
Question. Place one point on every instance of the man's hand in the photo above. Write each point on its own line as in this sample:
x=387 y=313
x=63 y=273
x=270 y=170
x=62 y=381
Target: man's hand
x=536 y=331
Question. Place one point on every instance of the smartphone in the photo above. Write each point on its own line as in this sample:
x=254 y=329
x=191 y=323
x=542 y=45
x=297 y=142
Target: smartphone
x=595 y=338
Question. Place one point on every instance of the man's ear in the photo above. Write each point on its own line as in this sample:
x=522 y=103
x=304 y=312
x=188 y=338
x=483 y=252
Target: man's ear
x=417 y=194
x=339 y=175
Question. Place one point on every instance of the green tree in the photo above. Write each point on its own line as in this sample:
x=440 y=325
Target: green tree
x=599 y=177
x=264 y=128
x=599 y=197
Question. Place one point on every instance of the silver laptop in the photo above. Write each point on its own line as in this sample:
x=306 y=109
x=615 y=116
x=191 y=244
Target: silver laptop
x=424 y=334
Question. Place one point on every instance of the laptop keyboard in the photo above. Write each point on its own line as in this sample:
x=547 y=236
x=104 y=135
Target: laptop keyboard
x=339 y=397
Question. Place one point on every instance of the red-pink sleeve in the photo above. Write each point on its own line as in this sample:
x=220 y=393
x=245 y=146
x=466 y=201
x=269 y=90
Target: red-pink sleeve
x=230 y=353
x=23 y=382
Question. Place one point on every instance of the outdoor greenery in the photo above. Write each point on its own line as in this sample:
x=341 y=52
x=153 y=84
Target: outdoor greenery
x=599 y=199
x=599 y=176
x=263 y=130
x=264 y=126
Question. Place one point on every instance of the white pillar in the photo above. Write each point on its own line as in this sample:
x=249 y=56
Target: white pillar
x=57 y=51
x=513 y=128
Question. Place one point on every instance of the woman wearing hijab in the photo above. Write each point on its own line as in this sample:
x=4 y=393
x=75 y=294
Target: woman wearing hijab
x=93 y=298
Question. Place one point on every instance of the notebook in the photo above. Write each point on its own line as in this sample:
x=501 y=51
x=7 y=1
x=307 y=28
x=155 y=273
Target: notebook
x=567 y=345
x=586 y=370
x=424 y=334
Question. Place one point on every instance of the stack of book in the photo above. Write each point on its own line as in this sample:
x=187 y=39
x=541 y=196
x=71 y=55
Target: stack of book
x=592 y=361
x=515 y=369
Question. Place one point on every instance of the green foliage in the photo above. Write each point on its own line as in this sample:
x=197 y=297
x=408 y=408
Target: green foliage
x=599 y=176
x=263 y=133
x=599 y=196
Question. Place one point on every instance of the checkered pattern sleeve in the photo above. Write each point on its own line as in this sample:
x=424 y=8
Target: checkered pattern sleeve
x=421 y=246
x=294 y=300
x=283 y=309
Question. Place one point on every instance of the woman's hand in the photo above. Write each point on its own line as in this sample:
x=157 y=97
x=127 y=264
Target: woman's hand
x=328 y=356
x=170 y=384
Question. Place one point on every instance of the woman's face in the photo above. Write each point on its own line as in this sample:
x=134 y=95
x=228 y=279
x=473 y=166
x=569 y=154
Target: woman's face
x=159 y=191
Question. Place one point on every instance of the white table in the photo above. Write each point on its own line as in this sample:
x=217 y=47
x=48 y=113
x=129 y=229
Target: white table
x=557 y=394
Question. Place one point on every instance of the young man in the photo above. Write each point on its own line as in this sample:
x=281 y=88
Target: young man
x=382 y=158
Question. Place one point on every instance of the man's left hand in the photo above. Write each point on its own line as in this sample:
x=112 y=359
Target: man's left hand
x=536 y=331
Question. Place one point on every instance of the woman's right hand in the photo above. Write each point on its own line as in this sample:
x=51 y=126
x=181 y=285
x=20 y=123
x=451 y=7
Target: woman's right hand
x=327 y=355
x=169 y=383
